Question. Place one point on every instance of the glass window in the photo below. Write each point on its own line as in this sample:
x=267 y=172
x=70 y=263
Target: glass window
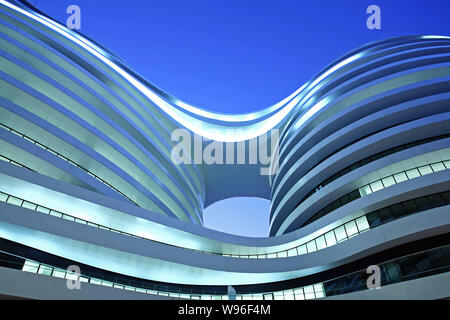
x=437 y=258
x=385 y=214
x=423 y=203
x=45 y=270
x=107 y=283
x=257 y=297
x=340 y=234
x=96 y=281
x=436 y=200
x=407 y=265
x=425 y=170
x=410 y=206
x=278 y=295
x=413 y=173
x=400 y=177
x=364 y=191
x=326 y=210
x=282 y=254
x=388 y=181
x=422 y=262
x=289 y=294
x=3 y=196
x=393 y=270
x=80 y=221
x=299 y=295
x=447 y=164
x=351 y=229
x=320 y=295
x=330 y=238
x=58 y=273
x=43 y=210
x=374 y=219
x=354 y=195
x=29 y=205
x=311 y=246
x=362 y=223
x=30 y=266
x=446 y=196
x=345 y=199
x=66 y=217
x=292 y=252
x=438 y=166
x=154 y=292
x=377 y=185
x=28 y=139
x=268 y=296
x=302 y=249
x=119 y=286
x=320 y=242
x=318 y=287
x=271 y=255
x=309 y=292
x=345 y=171
x=56 y=214
x=71 y=276
x=397 y=210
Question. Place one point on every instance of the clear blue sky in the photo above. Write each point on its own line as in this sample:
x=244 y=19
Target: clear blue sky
x=236 y=56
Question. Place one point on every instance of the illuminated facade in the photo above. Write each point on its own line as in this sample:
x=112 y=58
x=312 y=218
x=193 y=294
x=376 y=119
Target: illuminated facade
x=87 y=179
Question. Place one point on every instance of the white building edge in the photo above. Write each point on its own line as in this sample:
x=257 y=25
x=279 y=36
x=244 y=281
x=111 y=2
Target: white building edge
x=86 y=177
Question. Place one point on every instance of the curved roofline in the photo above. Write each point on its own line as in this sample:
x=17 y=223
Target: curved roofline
x=211 y=125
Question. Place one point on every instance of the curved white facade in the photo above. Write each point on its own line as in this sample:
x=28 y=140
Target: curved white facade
x=86 y=175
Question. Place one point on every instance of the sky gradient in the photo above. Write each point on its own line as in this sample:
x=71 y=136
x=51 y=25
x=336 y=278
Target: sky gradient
x=239 y=56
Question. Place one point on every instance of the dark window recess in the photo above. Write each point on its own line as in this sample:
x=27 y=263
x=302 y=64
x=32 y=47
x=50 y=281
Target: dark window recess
x=436 y=200
x=374 y=219
x=389 y=213
x=11 y=262
x=335 y=205
x=446 y=196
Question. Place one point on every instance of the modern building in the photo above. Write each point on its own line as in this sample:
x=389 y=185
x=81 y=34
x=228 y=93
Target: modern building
x=87 y=177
